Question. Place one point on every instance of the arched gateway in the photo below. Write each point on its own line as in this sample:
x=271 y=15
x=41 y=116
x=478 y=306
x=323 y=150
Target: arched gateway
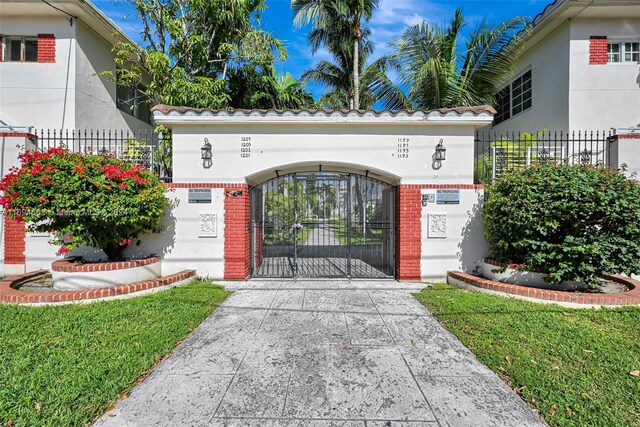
x=322 y=224
x=305 y=194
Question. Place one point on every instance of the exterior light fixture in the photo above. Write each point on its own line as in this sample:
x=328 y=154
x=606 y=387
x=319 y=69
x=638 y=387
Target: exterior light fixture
x=441 y=152
x=438 y=156
x=206 y=154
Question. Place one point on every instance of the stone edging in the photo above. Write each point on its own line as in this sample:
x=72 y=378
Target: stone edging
x=15 y=296
x=630 y=297
x=68 y=266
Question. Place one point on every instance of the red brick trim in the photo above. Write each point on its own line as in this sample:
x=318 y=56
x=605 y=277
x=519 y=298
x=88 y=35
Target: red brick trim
x=204 y=185
x=444 y=186
x=598 y=50
x=46 y=48
x=236 y=232
x=627 y=136
x=15 y=296
x=18 y=135
x=14 y=241
x=408 y=232
x=67 y=265
x=629 y=297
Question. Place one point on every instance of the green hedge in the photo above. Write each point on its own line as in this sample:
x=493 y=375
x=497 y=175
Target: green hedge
x=574 y=222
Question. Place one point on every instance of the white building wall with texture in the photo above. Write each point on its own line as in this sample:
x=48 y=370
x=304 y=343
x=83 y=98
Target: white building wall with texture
x=42 y=95
x=602 y=97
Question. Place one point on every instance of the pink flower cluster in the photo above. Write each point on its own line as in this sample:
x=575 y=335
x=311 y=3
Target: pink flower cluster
x=113 y=172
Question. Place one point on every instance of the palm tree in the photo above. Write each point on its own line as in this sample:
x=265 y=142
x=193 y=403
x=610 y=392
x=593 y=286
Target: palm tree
x=373 y=84
x=348 y=16
x=282 y=92
x=438 y=75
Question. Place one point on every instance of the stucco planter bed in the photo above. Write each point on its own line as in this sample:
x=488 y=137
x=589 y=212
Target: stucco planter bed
x=71 y=274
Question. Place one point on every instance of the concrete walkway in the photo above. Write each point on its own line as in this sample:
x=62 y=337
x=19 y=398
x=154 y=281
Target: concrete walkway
x=321 y=354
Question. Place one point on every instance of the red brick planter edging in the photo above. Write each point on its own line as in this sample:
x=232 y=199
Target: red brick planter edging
x=15 y=296
x=629 y=297
x=68 y=266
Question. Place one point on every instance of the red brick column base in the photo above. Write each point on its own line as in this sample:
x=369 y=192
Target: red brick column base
x=14 y=246
x=236 y=232
x=408 y=232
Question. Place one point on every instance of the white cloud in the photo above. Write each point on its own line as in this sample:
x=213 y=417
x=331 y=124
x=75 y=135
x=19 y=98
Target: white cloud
x=393 y=16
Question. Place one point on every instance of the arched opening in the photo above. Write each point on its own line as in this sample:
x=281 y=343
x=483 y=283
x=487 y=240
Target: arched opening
x=322 y=224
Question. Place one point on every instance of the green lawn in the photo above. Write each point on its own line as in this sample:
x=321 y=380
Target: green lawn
x=373 y=237
x=65 y=365
x=573 y=366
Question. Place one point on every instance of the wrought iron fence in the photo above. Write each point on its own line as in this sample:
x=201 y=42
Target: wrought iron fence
x=138 y=147
x=497 y=154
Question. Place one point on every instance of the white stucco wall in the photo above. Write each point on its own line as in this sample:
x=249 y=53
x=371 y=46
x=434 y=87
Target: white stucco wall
x=357 y=147
x=464 y=245
x=96 y=96
x=548 y=61
x=40 y=94
x=180 y=245
x=603 y=96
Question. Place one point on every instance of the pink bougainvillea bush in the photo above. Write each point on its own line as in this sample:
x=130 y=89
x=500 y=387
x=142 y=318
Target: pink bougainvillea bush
x=84 y=200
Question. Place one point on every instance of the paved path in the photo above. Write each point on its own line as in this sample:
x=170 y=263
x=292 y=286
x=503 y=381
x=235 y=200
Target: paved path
x=322 y=235
x=341 y=354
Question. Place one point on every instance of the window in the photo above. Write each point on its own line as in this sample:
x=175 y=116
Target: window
x=514 y=99
x=20 y=49
x=132 y=100
x=503 y=105
x=623 y=52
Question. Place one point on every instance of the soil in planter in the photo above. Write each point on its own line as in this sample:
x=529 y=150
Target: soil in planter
x=42 y=283
x=607 y=287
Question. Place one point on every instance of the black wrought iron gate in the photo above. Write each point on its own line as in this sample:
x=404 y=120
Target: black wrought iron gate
x=322 y=225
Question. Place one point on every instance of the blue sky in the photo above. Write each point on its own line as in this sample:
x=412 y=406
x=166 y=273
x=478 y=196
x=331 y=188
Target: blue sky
x=387 y=23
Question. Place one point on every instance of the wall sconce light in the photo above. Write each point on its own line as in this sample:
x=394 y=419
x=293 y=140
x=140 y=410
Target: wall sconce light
x=439 y=155
x=441 y=152
x=206 y=154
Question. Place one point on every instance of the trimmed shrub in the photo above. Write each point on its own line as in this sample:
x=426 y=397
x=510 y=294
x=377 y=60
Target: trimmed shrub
x=573 y=222
x=84 y=200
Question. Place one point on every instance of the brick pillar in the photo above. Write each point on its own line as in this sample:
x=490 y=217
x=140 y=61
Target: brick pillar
x=46 y=48
x=14 y=247
x=408 y=232
x=236 y=232
x=598 y=50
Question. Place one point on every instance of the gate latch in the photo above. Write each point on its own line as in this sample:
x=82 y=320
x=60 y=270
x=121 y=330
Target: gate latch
x=298 y=226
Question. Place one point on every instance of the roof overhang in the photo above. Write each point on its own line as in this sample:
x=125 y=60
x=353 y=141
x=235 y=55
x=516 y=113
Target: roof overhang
x=558 y=12
x=179 y=116
x=84 y=10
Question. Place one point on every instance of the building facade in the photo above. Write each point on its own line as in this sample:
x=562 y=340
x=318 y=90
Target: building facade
x=578 y=71
x=51 y=53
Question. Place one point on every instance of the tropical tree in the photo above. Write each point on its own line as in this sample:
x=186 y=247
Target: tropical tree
x=281 y=92
x=189 y=46
x=335 y=22
x=338 y=76
x=438 y=74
